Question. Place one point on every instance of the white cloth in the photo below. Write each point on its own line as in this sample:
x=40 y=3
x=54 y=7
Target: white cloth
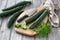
x=56 y=4
x=53 y=18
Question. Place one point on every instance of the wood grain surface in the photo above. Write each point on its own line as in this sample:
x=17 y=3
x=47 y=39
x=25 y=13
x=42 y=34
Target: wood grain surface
x=10 y=34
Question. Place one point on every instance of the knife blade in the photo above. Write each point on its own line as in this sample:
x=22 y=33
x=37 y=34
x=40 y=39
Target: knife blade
x=28 y=13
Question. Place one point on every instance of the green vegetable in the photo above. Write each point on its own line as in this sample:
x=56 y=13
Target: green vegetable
x=22 y=25
x=43 y=29
x=10 y=12
x=40 y=18
x=12 y=18
x=17 y=5
x=17 y=25
x=35 y=16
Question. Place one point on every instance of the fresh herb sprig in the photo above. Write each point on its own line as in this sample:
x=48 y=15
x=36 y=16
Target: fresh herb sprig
x=43 y=30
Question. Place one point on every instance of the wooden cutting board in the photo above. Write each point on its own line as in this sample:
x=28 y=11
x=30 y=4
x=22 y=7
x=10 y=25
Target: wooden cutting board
x=30 y=32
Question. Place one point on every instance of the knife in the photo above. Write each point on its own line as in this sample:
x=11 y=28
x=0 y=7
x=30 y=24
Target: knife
x=28 y=13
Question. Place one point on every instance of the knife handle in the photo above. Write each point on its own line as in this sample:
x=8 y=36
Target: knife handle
x=20 y=19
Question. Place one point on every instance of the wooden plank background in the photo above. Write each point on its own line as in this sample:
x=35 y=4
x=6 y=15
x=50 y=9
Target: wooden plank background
x=10 y=34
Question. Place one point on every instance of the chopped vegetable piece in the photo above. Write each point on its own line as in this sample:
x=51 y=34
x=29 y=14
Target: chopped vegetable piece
x=17 y=25
x=21 y=25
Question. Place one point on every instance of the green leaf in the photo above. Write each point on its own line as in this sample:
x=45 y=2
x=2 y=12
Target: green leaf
x=17 y=25
x=21 y=25
x=43 y=30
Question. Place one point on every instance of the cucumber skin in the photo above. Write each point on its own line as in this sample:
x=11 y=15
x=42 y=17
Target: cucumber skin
x=12 y=18
x=35 y=16
x=40 y=18
x=10 y=12
x=16 y=5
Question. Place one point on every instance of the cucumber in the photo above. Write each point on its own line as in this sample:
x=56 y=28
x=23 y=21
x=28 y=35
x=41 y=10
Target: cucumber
x=16 y=5
x=10 y=12
x=35 y=16
x=40 y=18
x=12 y=18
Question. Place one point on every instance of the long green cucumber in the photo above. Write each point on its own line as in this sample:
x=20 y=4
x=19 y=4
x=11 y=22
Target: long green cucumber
x=12 y=18
x=35 y=16
x=10 y=12
x=16 y=5
x=40 y=18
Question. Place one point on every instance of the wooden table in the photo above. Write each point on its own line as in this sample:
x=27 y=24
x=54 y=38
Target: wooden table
x=10 y=34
